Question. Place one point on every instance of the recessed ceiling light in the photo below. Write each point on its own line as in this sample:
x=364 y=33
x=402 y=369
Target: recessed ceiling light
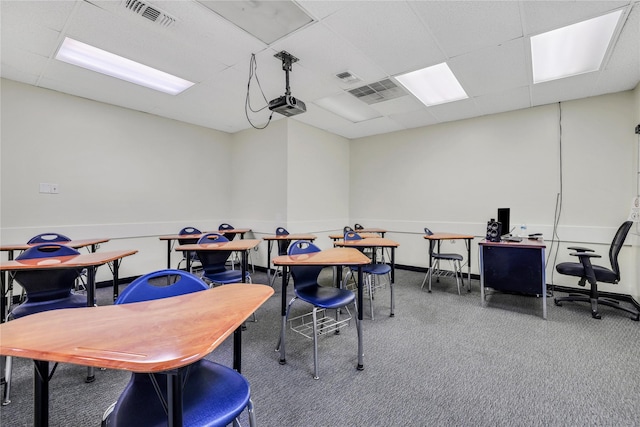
x=433 y=85
x=86 y=56
x=266 y=20
x=348 y=107
x=572 y=50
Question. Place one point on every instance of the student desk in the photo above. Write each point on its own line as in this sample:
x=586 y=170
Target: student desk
x=514 y=267
x=338 y=257
x=287 y=238
x=89 y=261
x=375 y=242
x=437 y=238
x=145 y=337
x=10 y=249
x=171 y=238
x=243 y=246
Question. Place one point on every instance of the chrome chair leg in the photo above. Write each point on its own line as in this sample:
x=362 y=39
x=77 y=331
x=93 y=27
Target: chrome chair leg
x=8 y=362
x=315 y=343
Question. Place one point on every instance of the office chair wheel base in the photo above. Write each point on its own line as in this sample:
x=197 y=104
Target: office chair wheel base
x=596 y=315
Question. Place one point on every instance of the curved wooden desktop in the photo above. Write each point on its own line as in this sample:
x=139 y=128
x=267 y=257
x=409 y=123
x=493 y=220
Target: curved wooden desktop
x=152 y=336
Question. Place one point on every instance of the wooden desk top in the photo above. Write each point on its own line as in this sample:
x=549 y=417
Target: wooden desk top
x=332 y=256
x=234 y=245
x=73 y=244
x=525 y=243
x=292 y=236
x=150 y=336
x=70 y=261
x=197 y=236
x=447 y=236
x=364 y=235
x=377 y=242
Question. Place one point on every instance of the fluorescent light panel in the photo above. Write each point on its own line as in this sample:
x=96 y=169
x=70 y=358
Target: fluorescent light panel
x=86 y=56
x=433 y=85
x=572 y=50
x=348 y=107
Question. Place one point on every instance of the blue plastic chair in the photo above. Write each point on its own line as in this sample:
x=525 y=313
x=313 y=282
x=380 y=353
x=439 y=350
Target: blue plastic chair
x=283 y=246
x=436 y=257
x=213 y=263
x=370 y=271
x=191 y=254
x=48 y=238
x=45 y=290
x=307 y=289
x=213 y=394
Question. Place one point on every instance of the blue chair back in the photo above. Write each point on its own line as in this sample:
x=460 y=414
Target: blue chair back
x=346 y=229
x=185 y=231
x=225 y=226
x=161 y=284
x=48 y=238
x=213 y=261
x=428 y=232
x=358 y=227
x=46 y=285
x=352 y=235
x=307 y=275
x=283 y=245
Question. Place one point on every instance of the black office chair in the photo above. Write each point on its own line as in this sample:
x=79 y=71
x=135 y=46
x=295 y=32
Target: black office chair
x=454 y=259
x=593 y=274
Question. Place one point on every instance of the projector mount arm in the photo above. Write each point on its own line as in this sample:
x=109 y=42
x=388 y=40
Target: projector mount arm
x=287 y=61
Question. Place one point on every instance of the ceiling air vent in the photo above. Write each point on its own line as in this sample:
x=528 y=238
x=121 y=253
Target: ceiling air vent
x=348 y=77
x=149 y=12
x=373 y=93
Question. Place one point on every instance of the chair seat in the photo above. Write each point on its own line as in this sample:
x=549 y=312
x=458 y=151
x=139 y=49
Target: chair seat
x=32 y=307
x=325 y=297
x=376 y=268
x=603 y=274
x=214 y=395
x=451 y=257
x=227 y=276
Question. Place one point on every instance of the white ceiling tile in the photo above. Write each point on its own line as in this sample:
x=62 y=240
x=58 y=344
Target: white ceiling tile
x=464 y=26
x=457 y=110
x=541 y=16
x=500 y=102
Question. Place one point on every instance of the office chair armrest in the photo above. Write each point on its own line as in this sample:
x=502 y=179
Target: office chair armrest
x=585 y=255
x=585 y=260
x=579 y=249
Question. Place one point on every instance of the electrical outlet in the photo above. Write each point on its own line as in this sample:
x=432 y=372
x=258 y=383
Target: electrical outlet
x=54 y=188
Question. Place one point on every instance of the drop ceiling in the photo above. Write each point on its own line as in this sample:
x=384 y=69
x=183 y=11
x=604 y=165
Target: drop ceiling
x=485 y=43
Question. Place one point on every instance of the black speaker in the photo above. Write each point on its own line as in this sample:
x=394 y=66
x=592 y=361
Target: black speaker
x=503 y=219
x=494 y=230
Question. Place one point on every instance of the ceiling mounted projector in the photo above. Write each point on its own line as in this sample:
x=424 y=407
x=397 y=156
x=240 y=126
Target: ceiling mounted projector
x=287 y=105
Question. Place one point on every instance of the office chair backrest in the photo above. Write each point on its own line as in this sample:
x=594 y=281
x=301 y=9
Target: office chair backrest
x=161 y=284
x=46 y=285
x=358 y=227
x=283 y=245
x=213 y=261
x=616 y=245
x=48 y=238
x=225 y=226
x=304 y=276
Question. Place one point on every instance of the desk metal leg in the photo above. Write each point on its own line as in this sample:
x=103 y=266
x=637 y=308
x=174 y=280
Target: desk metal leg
x=481 y=252
x=91 y=300
x=359 y=321
x=468 y=242
x=169 y=254
x=174 y=397
x=41 y=393
x=393 y=279
x=269 y=245
x=544 y=286
x=283 y=313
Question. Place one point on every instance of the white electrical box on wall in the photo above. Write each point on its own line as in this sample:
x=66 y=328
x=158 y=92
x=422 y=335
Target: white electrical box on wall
x=46 y=188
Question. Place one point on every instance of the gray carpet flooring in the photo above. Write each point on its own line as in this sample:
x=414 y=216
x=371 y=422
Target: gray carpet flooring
x=443 y=360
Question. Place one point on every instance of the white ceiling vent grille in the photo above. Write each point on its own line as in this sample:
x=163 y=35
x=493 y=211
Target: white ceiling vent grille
x=373 y=93
x=348 y=77
x=149 y=12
